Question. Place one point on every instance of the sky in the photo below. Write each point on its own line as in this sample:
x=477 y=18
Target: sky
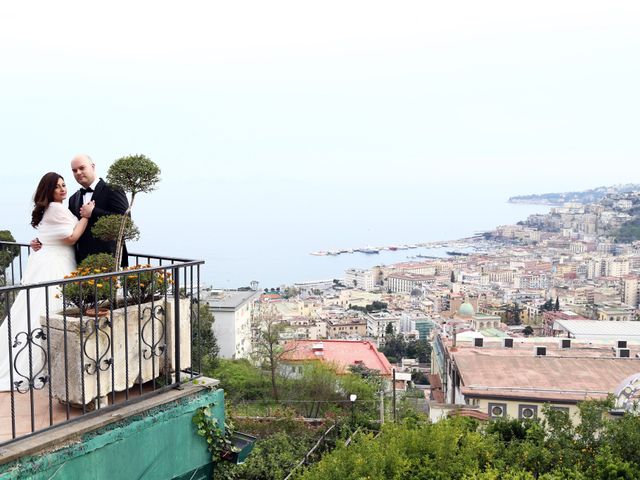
x=254 y=109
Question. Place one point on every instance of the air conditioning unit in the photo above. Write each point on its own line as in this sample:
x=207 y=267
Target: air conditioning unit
x=623 y=353
x=539 y=351
x=478 y=342
x=621 y=344
x=507 y=342
x=497 y=411
x=566 y=343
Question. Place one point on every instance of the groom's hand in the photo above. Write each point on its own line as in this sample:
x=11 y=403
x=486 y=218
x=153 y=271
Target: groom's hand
x=87 y=209
x=35 y=244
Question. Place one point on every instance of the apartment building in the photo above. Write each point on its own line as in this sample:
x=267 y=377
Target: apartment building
x=233 y=311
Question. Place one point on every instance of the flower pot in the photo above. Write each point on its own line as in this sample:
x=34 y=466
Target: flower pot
x=101 y=312
x=243 y=445
x=114 y=350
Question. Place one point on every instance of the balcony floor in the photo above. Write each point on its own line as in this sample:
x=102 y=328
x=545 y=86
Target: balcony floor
x=42 y=419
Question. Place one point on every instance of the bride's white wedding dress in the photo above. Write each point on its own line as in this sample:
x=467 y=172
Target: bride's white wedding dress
x=53 y=261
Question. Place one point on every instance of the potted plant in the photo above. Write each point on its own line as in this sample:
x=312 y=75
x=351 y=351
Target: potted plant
x=89 y=295
x=222 y=441
x=134 y=174
x=143 y=286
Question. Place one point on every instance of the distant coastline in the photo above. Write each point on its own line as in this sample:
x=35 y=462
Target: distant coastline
x=587 y=196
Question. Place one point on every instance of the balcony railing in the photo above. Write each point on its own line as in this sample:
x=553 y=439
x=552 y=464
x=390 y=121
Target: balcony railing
x=67 y=364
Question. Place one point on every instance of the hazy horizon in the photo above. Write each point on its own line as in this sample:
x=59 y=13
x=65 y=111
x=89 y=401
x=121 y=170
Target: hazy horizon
x=314 y=126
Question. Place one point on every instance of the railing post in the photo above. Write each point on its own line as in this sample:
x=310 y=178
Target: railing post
x=176 y=324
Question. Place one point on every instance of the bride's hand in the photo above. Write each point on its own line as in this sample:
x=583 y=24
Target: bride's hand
x=35 y=244
x=87 y=209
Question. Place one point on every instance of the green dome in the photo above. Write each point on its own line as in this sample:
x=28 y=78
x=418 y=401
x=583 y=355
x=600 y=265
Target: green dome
x=466 y=310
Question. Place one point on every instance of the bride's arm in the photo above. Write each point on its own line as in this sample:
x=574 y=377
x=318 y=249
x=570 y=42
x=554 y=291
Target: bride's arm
x=78 y=230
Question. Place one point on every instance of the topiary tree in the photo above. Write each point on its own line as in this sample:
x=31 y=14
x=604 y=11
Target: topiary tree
x=8 y=252
x=108 y=227
x=134 y=174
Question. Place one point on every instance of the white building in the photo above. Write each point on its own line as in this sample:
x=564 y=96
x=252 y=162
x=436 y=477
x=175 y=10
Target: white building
x=232 y=310
x=406 y=282
x=631 y=291
x=377 y=324
x=359 y=278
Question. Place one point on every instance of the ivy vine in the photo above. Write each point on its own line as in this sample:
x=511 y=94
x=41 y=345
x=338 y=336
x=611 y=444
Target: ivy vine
x=218 y=440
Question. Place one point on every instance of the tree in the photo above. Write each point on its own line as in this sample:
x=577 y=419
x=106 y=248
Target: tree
x=240 y=380
x=389 y=329
x=557 y=305
x=453 y=277
x=7 y=254
x=420 y=349
x=268 y=346
x=394 y=346
x=547 y=306
x=204 y=349
x=528 y=330
x=134 y=174
x=512 y=314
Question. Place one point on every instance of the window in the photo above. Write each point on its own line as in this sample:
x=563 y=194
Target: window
x=527 y=411
x=560 y=409
x=497 y=410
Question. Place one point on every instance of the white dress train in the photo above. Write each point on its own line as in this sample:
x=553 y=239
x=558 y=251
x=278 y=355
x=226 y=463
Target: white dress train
x=53 y=261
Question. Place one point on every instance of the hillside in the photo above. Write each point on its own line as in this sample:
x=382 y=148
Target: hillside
x=588 y=196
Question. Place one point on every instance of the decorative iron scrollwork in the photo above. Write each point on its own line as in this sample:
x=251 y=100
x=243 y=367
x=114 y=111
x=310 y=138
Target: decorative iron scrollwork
x=37 y=380
x=154 y=328
x=97 y=360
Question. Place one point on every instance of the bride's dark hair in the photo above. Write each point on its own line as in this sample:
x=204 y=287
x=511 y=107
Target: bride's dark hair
x=43 y=196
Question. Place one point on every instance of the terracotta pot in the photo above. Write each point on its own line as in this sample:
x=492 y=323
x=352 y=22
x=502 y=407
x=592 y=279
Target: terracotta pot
x=91 y=312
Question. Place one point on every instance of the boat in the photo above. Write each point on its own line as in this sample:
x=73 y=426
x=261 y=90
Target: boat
x=460 y=254
x=369 y=250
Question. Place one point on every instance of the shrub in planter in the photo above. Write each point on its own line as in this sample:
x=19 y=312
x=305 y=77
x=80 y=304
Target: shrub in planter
x=91 y=293
x=142 y=286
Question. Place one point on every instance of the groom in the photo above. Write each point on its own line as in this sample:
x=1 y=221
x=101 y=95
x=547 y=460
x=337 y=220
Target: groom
x=94 y=200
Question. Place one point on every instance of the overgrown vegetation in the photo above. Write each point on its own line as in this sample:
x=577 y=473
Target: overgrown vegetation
x=462 y=448
x=375 y=306
x=395 y=348
x=7 y=254
x=630 y=231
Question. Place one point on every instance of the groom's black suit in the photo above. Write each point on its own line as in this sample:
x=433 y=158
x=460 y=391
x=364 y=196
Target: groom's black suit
x=109 y=201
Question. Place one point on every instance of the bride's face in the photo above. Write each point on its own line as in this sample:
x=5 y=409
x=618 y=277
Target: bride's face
x=60 y=193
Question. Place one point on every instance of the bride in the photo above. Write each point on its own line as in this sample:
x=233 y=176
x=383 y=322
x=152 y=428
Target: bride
x=58 y=230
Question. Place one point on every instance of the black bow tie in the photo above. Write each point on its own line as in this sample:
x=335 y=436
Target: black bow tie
x=86 y=190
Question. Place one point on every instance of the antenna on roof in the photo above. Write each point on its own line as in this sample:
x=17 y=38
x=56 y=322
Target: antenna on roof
x=454 y=334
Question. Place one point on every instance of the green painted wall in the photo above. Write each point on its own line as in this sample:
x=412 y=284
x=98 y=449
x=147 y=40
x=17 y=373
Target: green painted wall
x=161 y=444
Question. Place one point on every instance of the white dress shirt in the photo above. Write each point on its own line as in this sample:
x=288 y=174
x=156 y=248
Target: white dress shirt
x=89 y=195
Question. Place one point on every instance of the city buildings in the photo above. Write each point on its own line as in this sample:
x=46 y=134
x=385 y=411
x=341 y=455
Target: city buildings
x=232 y=311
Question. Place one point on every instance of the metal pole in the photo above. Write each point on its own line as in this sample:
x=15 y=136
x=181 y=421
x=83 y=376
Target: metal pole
x=176 y=324
x=353 y=413
x=381 y=407
x=393 y=386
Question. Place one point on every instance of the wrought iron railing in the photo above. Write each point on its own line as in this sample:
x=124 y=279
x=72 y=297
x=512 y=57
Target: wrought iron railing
x=71 y=363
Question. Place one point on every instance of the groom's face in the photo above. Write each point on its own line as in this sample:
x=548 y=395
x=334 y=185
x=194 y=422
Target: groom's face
x=84 y=171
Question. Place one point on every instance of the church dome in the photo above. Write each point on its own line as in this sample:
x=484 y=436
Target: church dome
x=466 y=310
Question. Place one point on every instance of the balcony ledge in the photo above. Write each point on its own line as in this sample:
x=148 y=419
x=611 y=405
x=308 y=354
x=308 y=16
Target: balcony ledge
x=74 y=431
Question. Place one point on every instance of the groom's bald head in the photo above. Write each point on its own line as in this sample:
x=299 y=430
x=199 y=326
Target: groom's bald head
x=83 y=169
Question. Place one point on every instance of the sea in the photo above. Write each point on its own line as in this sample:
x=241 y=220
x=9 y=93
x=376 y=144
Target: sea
x=266 y=232
x=273 y=247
